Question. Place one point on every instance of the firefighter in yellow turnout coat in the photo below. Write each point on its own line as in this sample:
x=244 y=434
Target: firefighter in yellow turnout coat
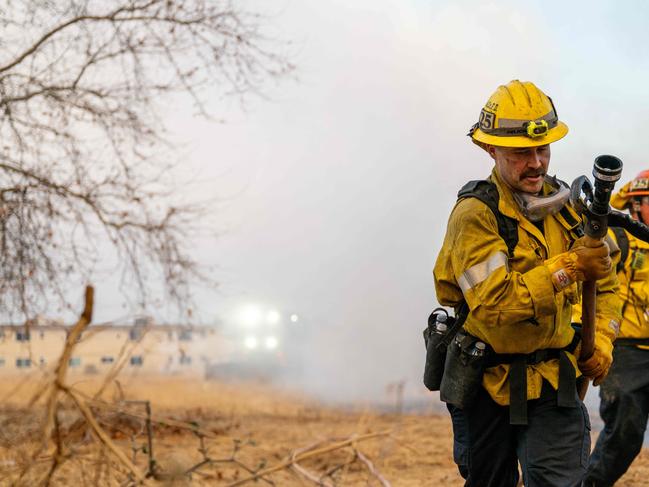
x=520 y=300
x=624 y=393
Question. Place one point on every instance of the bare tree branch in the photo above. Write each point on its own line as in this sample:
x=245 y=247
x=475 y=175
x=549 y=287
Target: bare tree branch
x=84 y=158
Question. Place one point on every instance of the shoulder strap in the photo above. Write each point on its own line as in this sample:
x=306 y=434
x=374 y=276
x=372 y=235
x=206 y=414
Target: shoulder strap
x=622 y=242
x=487 y=192
x=571 y=223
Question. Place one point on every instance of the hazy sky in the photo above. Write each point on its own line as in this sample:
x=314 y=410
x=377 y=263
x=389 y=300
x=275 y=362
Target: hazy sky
x=337 y=187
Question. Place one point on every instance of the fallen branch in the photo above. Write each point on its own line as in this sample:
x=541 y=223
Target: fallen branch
x=310 y=454
x=372 y=468
x=103 y=437
x=64 y=361
x=303 y=471
x=311 y=476
x=174 y=423
x=58 y=383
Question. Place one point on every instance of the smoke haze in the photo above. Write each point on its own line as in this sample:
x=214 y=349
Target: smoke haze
x=336 y=190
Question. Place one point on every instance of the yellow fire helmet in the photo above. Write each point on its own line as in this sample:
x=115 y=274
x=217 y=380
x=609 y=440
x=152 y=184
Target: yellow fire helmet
x=518 y=114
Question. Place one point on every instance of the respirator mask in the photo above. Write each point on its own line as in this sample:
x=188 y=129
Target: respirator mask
x=536 y=207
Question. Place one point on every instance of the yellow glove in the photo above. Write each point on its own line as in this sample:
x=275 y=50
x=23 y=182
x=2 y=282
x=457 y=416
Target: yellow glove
x=580 y=263
x=596 y=367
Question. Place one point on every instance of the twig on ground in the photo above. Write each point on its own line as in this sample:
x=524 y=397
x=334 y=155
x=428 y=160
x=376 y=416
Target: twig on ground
x=372 y=468
x=330 y=473
x=303 y=456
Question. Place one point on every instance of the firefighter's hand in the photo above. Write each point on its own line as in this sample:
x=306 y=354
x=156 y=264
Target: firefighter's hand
x=591 y=258
x=587 y=260
x=596 y=367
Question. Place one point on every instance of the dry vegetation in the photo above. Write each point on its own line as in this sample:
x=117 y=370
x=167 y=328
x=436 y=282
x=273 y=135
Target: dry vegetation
x=266 y=427
x=63 y=429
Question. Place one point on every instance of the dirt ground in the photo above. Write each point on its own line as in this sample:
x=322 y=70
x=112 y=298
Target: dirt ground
x=262 y=426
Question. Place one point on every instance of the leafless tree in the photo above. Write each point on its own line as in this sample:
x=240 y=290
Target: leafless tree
x=83 y=161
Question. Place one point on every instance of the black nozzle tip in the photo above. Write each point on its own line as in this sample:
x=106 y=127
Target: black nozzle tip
x=607 y=168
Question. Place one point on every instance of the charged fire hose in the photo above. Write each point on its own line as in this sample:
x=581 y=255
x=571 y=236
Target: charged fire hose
x=624 y=220
x=594 y=206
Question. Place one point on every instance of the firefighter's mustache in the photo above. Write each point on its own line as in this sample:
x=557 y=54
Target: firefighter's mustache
x=533 y=174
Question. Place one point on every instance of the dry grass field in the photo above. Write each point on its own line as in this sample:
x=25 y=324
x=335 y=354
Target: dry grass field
x=210 y=433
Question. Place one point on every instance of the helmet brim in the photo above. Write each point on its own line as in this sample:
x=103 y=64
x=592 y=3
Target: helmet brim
x=554 y=134
x=620 y=202
x=642 y=192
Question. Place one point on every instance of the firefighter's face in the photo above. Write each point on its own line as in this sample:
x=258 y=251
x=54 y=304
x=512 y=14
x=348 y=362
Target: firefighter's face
x=640 y=207
x=522 y=168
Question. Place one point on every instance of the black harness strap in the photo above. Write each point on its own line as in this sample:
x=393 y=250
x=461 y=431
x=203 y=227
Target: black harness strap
x=630 y=342
x=518 y=390
x=487 y=192
x=624 y=245
x=572 y=224
x=622 y=242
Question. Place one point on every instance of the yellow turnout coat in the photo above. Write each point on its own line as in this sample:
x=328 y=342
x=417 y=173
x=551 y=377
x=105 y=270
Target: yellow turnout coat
x=634 y=289
x=513 y=304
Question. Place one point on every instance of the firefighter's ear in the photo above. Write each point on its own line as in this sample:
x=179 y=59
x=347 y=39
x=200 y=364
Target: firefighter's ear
x=491 y=150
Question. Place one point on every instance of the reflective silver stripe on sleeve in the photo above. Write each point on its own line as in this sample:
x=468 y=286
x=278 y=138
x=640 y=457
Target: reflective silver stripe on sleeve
x=479 y=272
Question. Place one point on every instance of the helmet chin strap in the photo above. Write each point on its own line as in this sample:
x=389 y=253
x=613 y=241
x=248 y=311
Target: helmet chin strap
x=537 y=207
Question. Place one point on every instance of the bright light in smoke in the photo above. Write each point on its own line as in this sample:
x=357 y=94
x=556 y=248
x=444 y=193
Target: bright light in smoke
x=251 y=316
x=251 y=342
x=272 y=317
x=294 y=318
x=271 y=343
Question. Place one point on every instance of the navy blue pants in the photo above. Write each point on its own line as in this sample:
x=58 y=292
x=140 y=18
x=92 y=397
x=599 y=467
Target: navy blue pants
x=624 y=409
x=552 y=448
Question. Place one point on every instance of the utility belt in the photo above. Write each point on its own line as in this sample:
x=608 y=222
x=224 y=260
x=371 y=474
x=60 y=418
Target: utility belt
x=630 y=342
x=518 y=376
x=456 y=361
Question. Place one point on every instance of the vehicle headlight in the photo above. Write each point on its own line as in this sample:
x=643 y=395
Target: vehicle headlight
x=250 y=316
x=271 y=343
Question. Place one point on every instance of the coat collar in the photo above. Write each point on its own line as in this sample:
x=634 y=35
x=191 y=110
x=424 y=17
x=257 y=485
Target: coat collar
x=508 y=207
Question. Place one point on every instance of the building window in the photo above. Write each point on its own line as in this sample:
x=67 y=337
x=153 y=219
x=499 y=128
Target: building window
x=185 y=335
x=170 y=335
x=136 y=360
x=2 y=362
x=134 y=334
x=75 y=361
x=185 y=360
x=22 y=336
x=42 y=334
x=23 y=363
x=107 y=360
x=41 y=360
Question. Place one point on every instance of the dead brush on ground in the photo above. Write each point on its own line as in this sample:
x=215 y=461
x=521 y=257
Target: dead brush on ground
x=67 y=436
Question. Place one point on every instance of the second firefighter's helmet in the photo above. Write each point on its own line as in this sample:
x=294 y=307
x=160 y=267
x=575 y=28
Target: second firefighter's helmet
x=636 y=188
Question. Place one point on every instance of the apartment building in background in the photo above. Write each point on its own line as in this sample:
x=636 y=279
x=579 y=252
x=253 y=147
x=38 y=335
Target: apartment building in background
x=143 y=346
